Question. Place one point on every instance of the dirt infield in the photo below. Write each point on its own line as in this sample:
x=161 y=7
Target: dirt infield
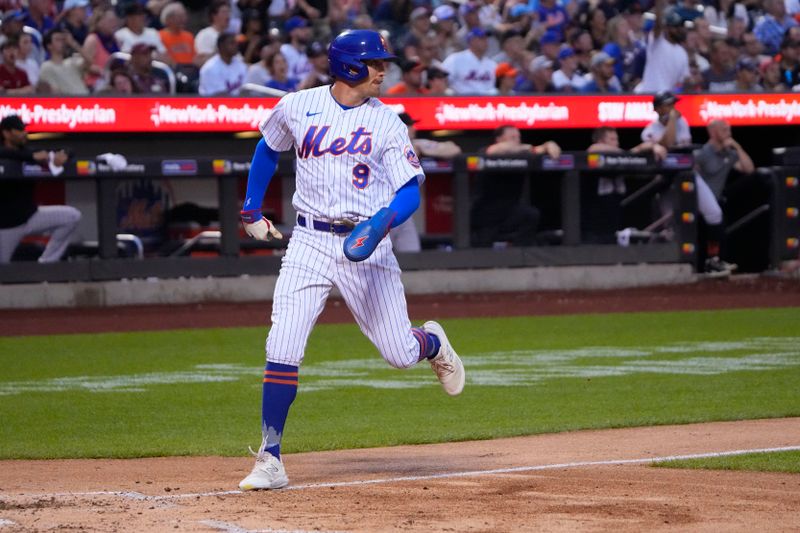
x=540 y=483
x=588 y=480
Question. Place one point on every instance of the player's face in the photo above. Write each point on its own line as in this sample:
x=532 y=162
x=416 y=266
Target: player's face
x=372 y=84
x=611 y=138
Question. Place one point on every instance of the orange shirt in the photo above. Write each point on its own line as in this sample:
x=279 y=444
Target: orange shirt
x=402 y=89
x=180 y=46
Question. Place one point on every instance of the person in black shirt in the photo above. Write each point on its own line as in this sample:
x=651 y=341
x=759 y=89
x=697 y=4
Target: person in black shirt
x=498 y=213
x=19 y=214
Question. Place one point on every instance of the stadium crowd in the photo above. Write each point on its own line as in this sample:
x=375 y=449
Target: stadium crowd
x=481 y=47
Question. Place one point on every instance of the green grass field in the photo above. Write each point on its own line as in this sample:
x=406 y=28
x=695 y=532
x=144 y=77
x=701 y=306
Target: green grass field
x=198 y=392
x=758 y=462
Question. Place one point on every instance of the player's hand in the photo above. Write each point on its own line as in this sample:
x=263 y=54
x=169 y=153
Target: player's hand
x=41 y=156
x=60 y=157
x=674 y=114
x=659 y=152
x=366 y=236
x=549 y=148
x=258 y=227
x=730 y=142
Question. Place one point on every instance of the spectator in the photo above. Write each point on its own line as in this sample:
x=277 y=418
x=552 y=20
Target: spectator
x=597 y=27
x=437 y=84
x=27 y=60
x=624 y=50
x=505 y=79
x=224 y=73
x=470 y=19
x=252 y=37
x=566 y=79
x=470 y=71
x=713 y=163
x=11 y=27
x=63 y=73
x=601 y=196
x=667 y=63
x=540 y=77
x=550 y=45
x=13 y=80
x=790 y=63
x=553 y=17
x=100 y=44
x=120 y=83
x=320 y=74
x=747 y=76
x=581 y=43
x=37 y=16
x=513 y=50
x=279 y=74
x=697 y=50
x=499 y=213
x=419 y=29
x=411 y=83
x=773 y=25
x=721 y=13
x=146 y=78
x=205 y=42
x=753 y=49
x=178 y=42
x=721 y=74
x=75 y=21
x=135 y=31
x=258 y=73
x=444 y=18
x=427 y=52
x=694 y=82
x=771 y=78
x=602 y=79
x=405 y=237
x=19 y=214
x=299 y=32
x=670 y=129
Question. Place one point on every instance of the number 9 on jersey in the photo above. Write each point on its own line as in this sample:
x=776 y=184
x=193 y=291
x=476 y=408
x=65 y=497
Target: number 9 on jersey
x=360 y=176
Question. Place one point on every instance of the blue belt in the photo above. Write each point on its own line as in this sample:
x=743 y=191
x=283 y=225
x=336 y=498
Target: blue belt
x=330 y=227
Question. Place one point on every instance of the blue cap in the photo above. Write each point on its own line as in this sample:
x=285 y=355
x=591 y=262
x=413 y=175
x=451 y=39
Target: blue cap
x=566 y=52
x=519 y=10
x=14 y=15
x=476 y=32
x=295 y=22
x=550 y=37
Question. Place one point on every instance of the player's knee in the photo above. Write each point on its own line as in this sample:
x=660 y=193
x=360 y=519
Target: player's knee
x=72 y=215
x=713 y=215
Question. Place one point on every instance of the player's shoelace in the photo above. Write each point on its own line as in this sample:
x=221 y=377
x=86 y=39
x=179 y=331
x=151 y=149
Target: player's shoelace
x=443 y=365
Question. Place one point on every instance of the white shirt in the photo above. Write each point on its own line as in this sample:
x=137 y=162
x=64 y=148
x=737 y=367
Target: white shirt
x=217 y=77
x=469 y=74
x=560 y=80
x=299 y=66
x=126 y=39
x=205 y=42
x=257 y=73
x=666 y=66
x=654 y=131
x=350 y=162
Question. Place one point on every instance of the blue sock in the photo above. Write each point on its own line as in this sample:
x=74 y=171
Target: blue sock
x=429 y=344
x=280 y=389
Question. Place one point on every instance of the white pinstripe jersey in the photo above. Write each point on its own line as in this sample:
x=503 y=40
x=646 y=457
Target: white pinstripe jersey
x=350 y=162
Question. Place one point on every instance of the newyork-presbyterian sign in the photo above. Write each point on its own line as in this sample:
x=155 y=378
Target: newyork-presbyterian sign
x=193 y=114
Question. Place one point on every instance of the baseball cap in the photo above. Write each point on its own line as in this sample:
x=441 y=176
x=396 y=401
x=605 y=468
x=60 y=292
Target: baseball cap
x=407 y=65
x=316 y=49
x=71 y=4
x=12 y=122
x=505 y=69
x=664 y=97
x=746 y=63
x=406 y=118
x=550 y=37
x=566 y=52
x=601 y=57
x=418 y=12
x=142 y=48
x=539 y=63
x=519 y=10
x=436 y=72
x=293 y=23
x=476 y=32
x=468 y=7
x=673 y=18
x=14 y=16
x=444 y=12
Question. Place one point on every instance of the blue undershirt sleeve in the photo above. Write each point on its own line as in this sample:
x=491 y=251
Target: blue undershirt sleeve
x=405 y=202
x=262 y=167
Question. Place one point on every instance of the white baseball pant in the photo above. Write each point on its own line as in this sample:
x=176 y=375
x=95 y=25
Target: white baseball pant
x=58 y=220
x=707 y=203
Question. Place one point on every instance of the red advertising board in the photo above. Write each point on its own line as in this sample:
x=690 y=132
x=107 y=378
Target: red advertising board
x=192 y=114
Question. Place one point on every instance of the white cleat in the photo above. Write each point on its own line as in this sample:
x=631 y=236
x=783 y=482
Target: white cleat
x=267 y=474
x=446 y=365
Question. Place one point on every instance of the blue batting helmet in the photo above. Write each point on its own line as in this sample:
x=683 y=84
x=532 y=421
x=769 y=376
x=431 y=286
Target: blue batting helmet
x=348 y=51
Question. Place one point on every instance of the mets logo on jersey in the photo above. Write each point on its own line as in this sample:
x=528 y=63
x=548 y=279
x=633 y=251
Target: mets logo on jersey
x=413 y=160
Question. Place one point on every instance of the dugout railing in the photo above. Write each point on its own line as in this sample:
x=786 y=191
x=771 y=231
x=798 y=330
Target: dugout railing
x=565 y=172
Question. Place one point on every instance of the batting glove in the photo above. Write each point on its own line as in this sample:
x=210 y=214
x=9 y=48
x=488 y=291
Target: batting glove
x=366 y=236
x=259 y=227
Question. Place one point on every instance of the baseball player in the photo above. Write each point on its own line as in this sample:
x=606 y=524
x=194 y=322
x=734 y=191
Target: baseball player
x=357 y=177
